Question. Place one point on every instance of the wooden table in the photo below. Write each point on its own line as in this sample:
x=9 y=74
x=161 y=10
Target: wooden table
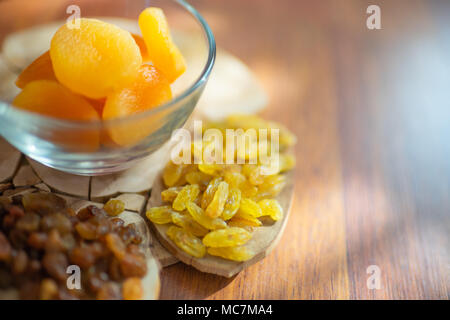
x=372 y=113
x=371 y=109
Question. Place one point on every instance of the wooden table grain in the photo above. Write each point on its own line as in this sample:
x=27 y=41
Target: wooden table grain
x=371 y=109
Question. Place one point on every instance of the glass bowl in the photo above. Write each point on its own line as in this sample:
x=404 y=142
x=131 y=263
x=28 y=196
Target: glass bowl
x=71 y=146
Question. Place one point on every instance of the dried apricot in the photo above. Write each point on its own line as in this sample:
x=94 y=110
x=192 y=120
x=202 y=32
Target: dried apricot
x=52 y=99
x=232 y=253
x=162 y=52
x=149 y=90
x=39 y=69
x=229 y=237
x=94 y=59
x=187 y=242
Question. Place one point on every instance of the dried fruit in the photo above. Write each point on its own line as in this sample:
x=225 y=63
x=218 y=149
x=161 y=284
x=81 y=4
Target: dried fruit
x=114 y=207
x=172 y=173
x=229 y=237
x=186 y=222
x=170 y=194
x=232 y=253
x=271 y=207
x=208 y=195
x=94 y=59
x=39 y=69
x=198 y=177
x=249 y=207
x=149 y=90
x=199 y=216
x=232 y=204
x=132 y=289
x=216 y=206
x=187 y=242
x=163 y=53
x=188 y=194
x=160 y=215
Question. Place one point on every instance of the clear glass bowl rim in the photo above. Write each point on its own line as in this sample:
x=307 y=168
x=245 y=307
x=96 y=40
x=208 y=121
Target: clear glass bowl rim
x=83 y=125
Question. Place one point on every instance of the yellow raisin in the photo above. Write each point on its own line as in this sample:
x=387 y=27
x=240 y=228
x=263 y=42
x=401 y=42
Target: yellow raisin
x=232 y=204
x=287 y=162
x=187 y=241
x=199 y=216
x=242 y=223
x=248 y=190
x=229 y=237
x=215 y=207
x=160 y=215
x=232 y=253
x=249 y=207
x=271 y=187
x=234 y=179
x=170 y=194
x=188 y=194
x=209 y=192
x=186 y=222
x=210 y=169
x=245 y=219
x=271 y=207
x=114 y=207
x=253 y=174
x=172 y=173
x=198 y=177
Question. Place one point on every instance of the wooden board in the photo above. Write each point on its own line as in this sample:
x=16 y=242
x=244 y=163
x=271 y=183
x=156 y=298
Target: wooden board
x=9 y=160
x=263 y=240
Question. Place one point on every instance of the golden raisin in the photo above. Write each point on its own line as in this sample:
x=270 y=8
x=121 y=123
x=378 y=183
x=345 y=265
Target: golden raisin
x=186 y=222
x=160 y=215
x=216 y=206
x=188 y=194
x=232 y=253
x=170 y=194
x=271 y=207
x=232 y=204
x=229 y=237
x=187 y=242
x=199 y=215
x=114 y=207
x=208 y=195
x=249 y=207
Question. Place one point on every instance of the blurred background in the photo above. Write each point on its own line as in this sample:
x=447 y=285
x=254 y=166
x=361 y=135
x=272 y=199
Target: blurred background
x=371 y=109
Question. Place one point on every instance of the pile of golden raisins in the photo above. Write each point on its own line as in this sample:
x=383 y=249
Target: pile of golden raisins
x=214 y=208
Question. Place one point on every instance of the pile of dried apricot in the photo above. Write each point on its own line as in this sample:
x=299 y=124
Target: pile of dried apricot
x=100 y=71
x=213 y=208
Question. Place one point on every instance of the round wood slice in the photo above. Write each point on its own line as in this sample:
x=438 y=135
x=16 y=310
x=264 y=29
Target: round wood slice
x=263 y=240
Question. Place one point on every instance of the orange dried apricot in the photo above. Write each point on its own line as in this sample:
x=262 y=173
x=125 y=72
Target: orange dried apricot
x=52 y=99
x=94 y=59
x=142 y=46
x=39 y=69
x=149 y=90
x=162 y=51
